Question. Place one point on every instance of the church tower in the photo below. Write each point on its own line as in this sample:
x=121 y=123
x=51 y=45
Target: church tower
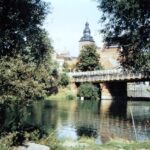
x=86 y=39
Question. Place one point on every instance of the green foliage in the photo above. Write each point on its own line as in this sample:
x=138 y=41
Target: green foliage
x=38 y=48
x=22 y=81
x=21 y=28
x=64 y=80
x=88 y=59
x=70 y=97
x=52 y=142
x=63 y=94
x=144 y=62
x=25 y=50
x=126 y=23
x=88 y=91
x=6 y=142
x=65 y=67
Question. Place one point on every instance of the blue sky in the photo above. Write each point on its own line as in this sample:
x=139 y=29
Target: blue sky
x=66 y=23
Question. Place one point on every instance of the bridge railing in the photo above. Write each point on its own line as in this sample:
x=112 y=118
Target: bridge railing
x=97 y=72
x=107 y=75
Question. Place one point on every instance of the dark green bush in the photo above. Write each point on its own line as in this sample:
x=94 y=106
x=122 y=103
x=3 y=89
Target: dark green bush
x=88 y=91
x=64 y=80
x=70 y=97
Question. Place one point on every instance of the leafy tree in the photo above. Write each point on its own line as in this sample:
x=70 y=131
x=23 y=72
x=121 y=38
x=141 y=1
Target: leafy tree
x=39 y=48
x=64 y=80
x=20 y=28
x=88 y=91
x=25 y=56
x=21 y=81
x=25 y=50
x=127 y=23
x=88 y=59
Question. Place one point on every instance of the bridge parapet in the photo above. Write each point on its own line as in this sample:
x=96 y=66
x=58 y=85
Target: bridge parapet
x=97 y=72
x=108 y=75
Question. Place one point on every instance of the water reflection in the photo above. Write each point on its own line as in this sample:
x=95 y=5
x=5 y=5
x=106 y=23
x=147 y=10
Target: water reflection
x=118 y=109
x=67 y=132
x=87 y=131
x=72 y=119
x=108 y=119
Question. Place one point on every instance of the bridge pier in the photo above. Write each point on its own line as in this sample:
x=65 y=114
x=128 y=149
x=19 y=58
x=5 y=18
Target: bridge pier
x=113 y=90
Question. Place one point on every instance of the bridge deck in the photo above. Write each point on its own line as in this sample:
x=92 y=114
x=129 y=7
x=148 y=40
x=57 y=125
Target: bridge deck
x=108 y=76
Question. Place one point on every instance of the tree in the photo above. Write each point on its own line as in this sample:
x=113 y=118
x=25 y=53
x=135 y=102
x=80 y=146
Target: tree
x=39 y=48
x=64 y=80
x=20 y=28
x=126 y=23
x=25 y=50
x=21 y=81
x=88 y=91
x=88 y=59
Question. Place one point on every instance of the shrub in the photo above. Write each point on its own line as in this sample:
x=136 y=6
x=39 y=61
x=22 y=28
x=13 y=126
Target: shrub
x=88 y=91
x=64 y=80
x=70 y=97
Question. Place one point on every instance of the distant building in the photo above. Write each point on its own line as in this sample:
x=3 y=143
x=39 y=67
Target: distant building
x=64 y=57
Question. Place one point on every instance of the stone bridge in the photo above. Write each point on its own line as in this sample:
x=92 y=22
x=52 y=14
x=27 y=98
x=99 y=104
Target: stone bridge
x=113 y=83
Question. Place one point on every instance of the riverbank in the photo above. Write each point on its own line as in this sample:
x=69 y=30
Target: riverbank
x=90 y=144
x=86 y=143
x=67 y=93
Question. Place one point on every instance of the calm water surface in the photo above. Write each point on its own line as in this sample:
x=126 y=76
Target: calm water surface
x=99 y=119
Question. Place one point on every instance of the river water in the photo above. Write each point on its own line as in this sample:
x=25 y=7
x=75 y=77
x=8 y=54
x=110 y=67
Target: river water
x=99 y=119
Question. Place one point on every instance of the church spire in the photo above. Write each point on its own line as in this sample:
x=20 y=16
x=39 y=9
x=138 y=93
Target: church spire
x=86 y=34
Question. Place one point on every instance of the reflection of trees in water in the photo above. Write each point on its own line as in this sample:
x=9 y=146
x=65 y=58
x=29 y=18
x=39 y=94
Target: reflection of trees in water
x=13 y=114
x=91 y=121
x=86 y=118
x=86 y=131
x=114 y=123
x=89 y=106
x=87 y=112
x=108 y=121
x=34 y=117
x=118 y=123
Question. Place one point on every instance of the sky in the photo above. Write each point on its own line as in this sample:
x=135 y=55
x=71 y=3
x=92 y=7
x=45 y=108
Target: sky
x=66 y=23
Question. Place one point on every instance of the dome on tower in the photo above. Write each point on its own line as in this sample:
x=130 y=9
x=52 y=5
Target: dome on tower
x=86 y=34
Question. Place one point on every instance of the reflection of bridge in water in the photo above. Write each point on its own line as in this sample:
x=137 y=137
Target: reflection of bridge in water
x=112 y=119
x=113 y=83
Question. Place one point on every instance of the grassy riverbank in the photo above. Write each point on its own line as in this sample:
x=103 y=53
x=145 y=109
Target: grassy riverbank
x=68 y=93
x=90 y=144
x=83 y=143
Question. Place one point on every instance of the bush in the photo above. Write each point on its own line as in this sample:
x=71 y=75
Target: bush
x=70 y=97
x=64 y=80
x=21 y=80
x=88 y=91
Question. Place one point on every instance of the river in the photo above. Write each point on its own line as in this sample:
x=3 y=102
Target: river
x=99 y=119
